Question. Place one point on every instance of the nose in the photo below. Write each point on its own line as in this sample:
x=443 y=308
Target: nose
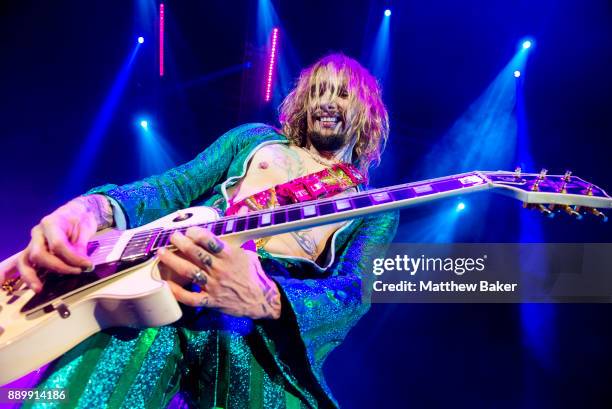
x=329 y=106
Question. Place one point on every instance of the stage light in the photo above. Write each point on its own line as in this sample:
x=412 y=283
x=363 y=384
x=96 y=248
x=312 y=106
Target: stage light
x=387 y=13
x=526 y=44
x=460 y=206
x=517 y=73
x=140 y=40
x=271 y=65
x=144 y=125
x=161 y=39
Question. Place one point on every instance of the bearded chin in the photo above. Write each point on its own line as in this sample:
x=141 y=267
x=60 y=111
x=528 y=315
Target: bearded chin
x=328 y=143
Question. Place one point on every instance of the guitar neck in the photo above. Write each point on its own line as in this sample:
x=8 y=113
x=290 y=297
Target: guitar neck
x=317 y=212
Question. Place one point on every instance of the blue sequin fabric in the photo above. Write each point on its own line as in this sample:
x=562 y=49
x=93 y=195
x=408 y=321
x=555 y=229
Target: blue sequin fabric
x=212 y=360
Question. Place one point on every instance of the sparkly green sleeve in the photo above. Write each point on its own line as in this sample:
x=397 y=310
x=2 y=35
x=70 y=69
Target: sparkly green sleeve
x=321 y=311
x=156 y=196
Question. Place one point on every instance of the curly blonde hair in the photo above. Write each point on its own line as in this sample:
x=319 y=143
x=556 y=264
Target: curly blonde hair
x=370 y=120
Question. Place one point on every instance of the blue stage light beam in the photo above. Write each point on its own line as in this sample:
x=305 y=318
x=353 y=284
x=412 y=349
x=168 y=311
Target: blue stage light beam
x=156 y=155
x=87 y=153
x=538 y=321
x=483 y=138
x=379 y=57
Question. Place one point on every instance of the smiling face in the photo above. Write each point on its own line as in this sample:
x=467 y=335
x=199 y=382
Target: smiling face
x=329 y=115
x=337 y=104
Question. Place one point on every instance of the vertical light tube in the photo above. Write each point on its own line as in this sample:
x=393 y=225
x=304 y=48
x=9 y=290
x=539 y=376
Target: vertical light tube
x=271 y=65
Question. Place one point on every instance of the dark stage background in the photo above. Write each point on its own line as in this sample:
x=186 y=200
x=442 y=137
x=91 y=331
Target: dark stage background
x=69 y=122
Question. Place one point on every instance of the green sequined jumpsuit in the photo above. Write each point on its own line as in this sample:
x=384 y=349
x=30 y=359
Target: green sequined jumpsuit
x=209 y=359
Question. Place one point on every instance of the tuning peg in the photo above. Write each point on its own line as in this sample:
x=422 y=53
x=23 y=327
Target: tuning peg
x=540 y=207
x=571 y=211
x=597 y=213
x=517 y=172
x=542 y=174
x=567 y=176
x=589 y=191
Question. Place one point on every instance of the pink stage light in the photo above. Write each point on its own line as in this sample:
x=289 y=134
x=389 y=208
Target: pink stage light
x=271 y=65
x=161 y=39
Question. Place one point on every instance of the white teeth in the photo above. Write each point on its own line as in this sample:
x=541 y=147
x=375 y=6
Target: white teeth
x=326 y=119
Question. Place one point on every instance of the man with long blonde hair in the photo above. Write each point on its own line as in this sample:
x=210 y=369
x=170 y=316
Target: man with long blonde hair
x=267 y=313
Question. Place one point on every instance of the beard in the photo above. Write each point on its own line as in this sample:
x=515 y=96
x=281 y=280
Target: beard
x=327 y=143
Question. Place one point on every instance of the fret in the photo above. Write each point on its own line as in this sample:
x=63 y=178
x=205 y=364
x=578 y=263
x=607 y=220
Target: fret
x=309 y=211
x=217 y=228
x=380 y=197
x=252 y=222
x=447 y=185
x=362 y=201
x=343 y=204
x=422 y=190
x=294 y=214
x=240 y=224
x=229 y=226
x=266 y=219
x=279 y=216
x=326 y=208
x=141 y=243
x=403 y=193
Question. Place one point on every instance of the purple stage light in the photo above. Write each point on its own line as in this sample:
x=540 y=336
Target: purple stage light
x=271 y=65
x=161 y=40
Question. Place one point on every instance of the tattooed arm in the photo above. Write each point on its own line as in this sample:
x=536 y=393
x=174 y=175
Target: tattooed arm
x=59 y=241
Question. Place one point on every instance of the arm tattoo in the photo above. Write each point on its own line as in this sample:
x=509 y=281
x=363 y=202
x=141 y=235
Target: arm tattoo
x=100 y=207
x=306 y=242
x=270 y=292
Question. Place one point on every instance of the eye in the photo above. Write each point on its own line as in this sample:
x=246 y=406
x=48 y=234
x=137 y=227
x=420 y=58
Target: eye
x=343 y=93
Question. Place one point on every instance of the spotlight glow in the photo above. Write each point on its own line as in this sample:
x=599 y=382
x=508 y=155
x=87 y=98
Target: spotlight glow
x=271 y=65
x=460 y=206
x=387 y=13
x=144 y=125
x=517 y=73
x=140 y=40
x=526 y=44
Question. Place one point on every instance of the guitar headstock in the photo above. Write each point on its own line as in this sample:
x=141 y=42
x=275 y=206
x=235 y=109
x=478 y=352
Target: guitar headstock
x=552 y=193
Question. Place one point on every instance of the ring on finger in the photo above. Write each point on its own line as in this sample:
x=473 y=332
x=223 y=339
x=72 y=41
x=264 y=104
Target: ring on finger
x=204 y=301
x=199 y=278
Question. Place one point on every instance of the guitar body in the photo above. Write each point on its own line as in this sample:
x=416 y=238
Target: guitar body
x=135 y=296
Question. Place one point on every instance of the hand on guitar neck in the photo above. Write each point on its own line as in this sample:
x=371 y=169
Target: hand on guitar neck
x=59 y=241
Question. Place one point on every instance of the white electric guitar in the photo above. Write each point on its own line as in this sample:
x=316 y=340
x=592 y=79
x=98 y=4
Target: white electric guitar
x=125 y=288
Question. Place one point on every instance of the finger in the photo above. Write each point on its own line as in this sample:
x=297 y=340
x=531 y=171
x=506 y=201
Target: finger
x=40 y=256
x=183 y=267
x=194 y=252
x=28 y=273
x=8 y=267
x=206 y=239
x=59 y=245
x=201 y=299
x=83 y=233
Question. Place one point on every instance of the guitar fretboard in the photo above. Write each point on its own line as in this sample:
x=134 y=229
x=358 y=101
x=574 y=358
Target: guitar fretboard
x=310 y=213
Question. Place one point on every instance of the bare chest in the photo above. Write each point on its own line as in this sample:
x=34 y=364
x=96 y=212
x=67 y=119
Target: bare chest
x=276 y=164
